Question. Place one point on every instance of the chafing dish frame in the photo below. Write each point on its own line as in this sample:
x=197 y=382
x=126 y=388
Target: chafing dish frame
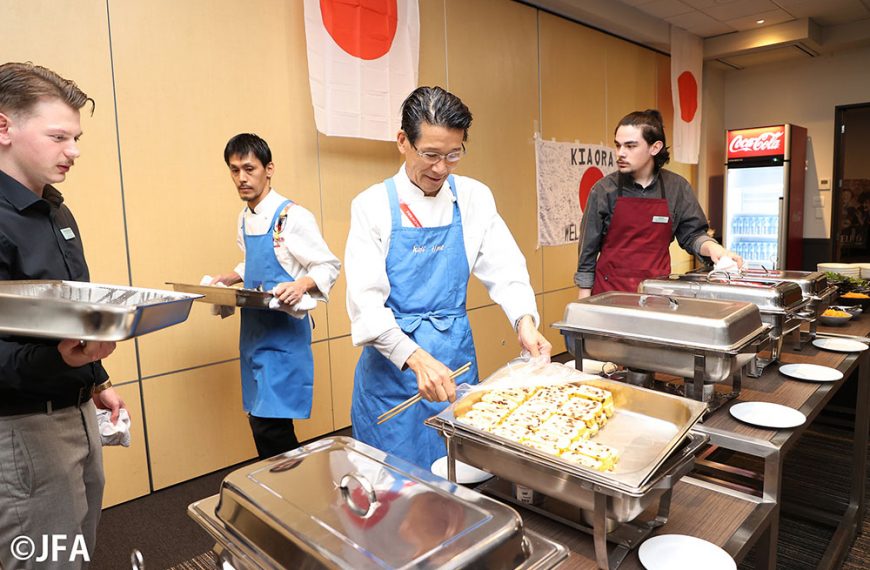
x=560 y=487
x=693 y=388
x=783 y=321
x=110 y=317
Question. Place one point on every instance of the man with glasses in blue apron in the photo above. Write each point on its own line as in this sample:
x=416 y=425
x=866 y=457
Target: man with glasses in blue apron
x=286 y=254
x=414 y=240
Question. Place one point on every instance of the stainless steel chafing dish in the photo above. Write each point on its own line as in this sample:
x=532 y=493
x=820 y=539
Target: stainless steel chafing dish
x=780 y=304
x=650 y=429
x=704 y=340
x=338 y=503
x=814 y=287
x=87 y=311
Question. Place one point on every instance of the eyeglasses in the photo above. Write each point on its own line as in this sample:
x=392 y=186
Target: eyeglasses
x=436 y=157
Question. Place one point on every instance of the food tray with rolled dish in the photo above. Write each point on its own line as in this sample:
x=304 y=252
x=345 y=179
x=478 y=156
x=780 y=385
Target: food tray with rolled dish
x=565 y=433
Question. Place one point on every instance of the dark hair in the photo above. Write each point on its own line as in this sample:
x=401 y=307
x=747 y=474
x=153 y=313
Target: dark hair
x=247 y=143
x=650 y=124
x=436 y=107
x=23 y=85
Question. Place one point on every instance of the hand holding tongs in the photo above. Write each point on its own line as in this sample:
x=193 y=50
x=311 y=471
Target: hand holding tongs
x=396 y=410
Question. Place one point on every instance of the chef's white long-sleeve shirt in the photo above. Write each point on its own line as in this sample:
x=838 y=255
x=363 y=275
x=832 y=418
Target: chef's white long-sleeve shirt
x=492 y=253
x=302 y=251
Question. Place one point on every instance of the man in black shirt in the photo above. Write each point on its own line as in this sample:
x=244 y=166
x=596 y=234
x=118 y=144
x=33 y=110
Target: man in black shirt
x=51 y=473
x=632 y=215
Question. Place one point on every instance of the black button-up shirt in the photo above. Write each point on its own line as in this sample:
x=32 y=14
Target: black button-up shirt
x=689 y=224
x=39 y=239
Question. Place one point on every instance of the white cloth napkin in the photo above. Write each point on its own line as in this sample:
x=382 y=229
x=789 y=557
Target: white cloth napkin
x=114 y=434
x=726 y=265
x=223 y=310
x=298 y=310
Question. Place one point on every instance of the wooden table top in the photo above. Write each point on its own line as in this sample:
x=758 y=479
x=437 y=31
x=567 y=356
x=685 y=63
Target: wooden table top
x=691 y=505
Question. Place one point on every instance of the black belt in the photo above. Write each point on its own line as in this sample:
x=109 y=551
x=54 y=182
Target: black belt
x=15 y=408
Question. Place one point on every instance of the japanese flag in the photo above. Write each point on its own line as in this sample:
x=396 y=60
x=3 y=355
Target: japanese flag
x=687 y=64
x=363 y=57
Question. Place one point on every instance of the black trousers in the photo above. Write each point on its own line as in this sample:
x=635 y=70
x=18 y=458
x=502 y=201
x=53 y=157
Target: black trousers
x=273 y=436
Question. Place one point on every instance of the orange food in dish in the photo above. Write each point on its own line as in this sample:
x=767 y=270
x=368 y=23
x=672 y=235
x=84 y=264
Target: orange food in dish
x=835 y=313
x=853 y=295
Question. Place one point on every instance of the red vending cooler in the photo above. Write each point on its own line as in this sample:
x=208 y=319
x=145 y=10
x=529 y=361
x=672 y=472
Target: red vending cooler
x=764 y=195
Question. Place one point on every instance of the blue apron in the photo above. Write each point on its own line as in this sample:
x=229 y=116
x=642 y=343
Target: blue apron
x=428 y=273
x=275 y=348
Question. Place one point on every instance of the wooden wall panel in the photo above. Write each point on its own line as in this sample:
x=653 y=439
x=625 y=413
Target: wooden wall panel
x=343 y=356
x=554 y=303
x=573 y=85
x=502 y=37
x=347 y=167
x=196 y=424
x=631 y=80
x=433 y=41
x=495 y=340
x=321 y=420
x=126 y=468
x=186 y=84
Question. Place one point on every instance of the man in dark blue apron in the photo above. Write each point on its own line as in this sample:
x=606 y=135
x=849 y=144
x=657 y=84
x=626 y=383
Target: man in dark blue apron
x=632 y=215
x=413 y=242
x=284 y=253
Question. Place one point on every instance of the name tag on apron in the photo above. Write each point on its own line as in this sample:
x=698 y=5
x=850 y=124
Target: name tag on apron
x=660 y=219
x=67 y=233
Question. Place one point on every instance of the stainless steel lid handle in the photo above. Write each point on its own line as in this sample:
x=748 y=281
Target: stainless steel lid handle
x=644 y=300
x=136 y=560
x=366 y=486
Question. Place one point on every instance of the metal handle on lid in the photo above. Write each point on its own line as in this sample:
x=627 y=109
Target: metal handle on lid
x=366 y=486
x=672 y=303
x=136 y=560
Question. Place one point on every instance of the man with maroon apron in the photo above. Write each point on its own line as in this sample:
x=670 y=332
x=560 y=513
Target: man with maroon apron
x=632 y=215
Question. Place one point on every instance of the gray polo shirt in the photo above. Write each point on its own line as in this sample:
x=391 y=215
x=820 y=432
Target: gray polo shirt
x=689 y=223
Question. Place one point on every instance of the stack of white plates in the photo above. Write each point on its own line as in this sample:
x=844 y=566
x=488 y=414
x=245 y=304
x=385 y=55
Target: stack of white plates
x=865 y=270
x=844 y=269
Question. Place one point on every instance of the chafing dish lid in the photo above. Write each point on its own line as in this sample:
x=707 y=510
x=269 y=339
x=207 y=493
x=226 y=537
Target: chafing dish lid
x=352 y=506
x=812 y=283
x=769 y=297
x=702 y=323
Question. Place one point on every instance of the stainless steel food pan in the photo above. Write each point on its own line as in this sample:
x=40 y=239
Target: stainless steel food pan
x=645 y=428
x=723 y=326
x=87 y=311
x=226 y=296
x=338 y=503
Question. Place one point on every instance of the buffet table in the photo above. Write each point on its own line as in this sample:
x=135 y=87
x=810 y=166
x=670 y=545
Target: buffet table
x=772 y=445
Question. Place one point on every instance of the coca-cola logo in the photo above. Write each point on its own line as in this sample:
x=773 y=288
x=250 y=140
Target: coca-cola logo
x=763 y=142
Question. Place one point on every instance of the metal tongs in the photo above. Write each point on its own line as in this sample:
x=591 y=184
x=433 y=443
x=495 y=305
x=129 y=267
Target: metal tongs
x=398 y=409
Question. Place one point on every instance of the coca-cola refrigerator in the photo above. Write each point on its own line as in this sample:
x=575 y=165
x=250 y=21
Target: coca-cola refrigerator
x=764 y=195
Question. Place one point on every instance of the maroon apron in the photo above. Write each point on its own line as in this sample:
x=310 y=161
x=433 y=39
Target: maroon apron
x=636 y=244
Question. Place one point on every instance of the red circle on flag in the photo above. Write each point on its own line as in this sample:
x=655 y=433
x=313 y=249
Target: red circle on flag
x=363 y=28
x=688 y=88
x=587 y=181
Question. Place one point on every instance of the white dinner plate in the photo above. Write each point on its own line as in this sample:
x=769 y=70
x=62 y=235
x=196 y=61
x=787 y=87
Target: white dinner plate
x=766 y=414
x=682 y=552
x=465 y=473
x=811 y=372
x=839 y=344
